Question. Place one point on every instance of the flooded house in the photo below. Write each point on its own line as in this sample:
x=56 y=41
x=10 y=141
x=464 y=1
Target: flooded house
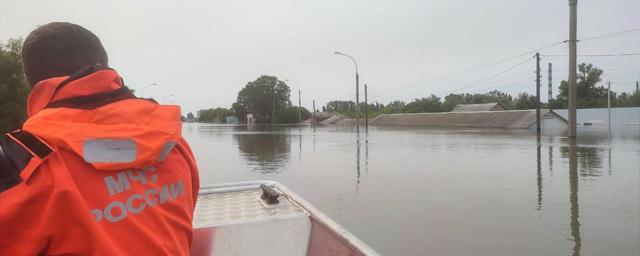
x=491 y=119
x=496 y=106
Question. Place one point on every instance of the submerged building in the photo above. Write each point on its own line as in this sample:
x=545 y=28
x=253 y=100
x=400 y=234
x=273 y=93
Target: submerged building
x=479 y=107
x=496 y=119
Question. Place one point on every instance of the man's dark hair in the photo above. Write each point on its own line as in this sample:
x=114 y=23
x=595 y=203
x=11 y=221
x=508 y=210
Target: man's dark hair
x=60 y=49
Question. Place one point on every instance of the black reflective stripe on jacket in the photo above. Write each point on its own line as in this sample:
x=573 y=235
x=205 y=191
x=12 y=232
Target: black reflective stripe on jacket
x=17 y=148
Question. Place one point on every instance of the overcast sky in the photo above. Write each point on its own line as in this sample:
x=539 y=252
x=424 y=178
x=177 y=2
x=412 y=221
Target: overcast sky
x=204 y=52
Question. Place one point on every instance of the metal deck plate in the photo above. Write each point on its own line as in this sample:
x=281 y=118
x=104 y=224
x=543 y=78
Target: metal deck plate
x=217 y=209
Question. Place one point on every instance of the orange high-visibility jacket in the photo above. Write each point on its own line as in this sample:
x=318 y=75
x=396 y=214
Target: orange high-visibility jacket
x=96 y=171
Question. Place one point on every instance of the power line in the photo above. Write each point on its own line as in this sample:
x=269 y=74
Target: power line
x=492 y=76
x=613 y=34
x=594 y=55
x=480 y=67
x=606 y=69
x=510 y=85
x=472 y=84
x=474 y=68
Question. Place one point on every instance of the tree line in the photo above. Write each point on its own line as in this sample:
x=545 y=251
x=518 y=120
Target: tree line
x=591 y=94
x=267 y=99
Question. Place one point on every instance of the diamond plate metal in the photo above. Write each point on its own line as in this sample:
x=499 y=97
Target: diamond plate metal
x=226 y=208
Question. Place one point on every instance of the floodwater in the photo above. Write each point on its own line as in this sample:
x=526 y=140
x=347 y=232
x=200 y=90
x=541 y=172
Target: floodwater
x=410 y=191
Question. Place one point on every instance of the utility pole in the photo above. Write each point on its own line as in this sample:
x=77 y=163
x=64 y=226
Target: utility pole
x=366 y=110
x=314 y=107
x=550 y=84
x=357 y=103
x=609 y=104
x=573 y=27
x=299 y=101
x=314 y=121
x=538 y=93
x=299 y=108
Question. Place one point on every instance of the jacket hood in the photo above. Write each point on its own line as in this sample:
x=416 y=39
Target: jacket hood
x=102 y=122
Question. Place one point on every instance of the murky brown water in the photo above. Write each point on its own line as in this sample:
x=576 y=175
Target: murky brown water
x=436 y=192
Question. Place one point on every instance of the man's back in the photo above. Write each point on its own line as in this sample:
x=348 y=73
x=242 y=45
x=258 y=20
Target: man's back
x=101 y=173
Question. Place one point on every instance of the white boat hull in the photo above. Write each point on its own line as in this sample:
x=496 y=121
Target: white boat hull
x=232 y=219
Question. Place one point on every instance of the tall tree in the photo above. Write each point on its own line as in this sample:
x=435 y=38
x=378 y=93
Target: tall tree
x=589 y=94
x=13 y=86
x=239 y=111
x=264 y=97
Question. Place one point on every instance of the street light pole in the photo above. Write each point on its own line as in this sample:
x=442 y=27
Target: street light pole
x=538 y=94
x=357 y=91
x=142 y=93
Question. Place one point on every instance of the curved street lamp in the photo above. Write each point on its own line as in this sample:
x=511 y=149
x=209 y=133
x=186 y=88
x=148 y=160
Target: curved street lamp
x=142 y=93
x=166 y=97
x=357 y=91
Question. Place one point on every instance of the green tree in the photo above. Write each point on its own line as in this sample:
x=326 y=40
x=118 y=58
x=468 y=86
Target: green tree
x=634 y=99
x=239 y=111
x=431 y=104
x=13 y=87
x=289 y=115
x=525 y=101
x=556 y=104
x=190 y=117
x=264 y=97
x=393 y=107
x=589 y=94
x=213 y=115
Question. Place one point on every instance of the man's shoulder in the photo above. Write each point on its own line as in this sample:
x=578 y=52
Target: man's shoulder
x=21 y=153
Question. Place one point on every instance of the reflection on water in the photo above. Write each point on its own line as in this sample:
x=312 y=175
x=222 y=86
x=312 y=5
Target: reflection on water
x=359 y=145
x=446 y=192
x=539 y=172
x=551 y=160
x=589 y=159
x=266 y=151
x=358 y=164
x=573 y=197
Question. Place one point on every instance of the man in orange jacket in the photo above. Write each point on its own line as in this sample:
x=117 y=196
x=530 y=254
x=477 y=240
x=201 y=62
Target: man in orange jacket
x=94 y=170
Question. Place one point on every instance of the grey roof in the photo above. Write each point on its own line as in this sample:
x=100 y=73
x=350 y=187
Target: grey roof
x=477 y=107
x=518 y=119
